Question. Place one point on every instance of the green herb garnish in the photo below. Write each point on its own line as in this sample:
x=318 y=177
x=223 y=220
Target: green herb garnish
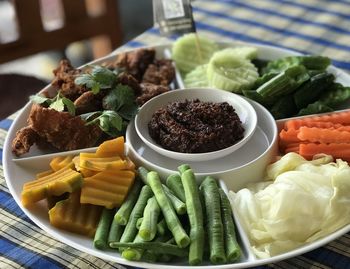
x=100 y=78
x=120 y=108
x=58 y=103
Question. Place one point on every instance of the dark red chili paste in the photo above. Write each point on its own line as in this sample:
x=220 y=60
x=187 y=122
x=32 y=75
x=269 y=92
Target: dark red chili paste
x=192 y=126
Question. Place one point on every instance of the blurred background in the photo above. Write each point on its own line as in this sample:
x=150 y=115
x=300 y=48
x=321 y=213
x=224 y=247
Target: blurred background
x=36 y=34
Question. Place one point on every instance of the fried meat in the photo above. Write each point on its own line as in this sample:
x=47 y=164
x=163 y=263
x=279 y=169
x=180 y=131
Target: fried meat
x=65 y=75
x=25 y=138
x=62 y=130
x=136 y=62
x=148 y=91
x=161 y=72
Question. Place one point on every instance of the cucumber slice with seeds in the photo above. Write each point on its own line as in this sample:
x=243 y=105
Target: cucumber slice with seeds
x=231 y=73
x=197 y=77
x=185 y=52
x=249 y=53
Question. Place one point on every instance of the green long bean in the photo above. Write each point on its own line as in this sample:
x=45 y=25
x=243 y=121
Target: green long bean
x=123 y=214
x=173 y=223
x=103 y=227
x=210 y=191
x=195 y=215
x=233 y=250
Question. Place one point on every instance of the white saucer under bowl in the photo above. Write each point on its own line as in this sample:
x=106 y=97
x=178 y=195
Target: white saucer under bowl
x=246 y=164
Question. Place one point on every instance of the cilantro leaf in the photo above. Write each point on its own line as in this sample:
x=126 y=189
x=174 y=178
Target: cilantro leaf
x=121 y=95
x=57 y=105
x=100 y=78
x=109 y=121
x=41 y=100
x=103 y=76
x=69 y=105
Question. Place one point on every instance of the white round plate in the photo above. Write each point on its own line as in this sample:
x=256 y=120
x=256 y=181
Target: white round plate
x=243 y=108
x=17 y=173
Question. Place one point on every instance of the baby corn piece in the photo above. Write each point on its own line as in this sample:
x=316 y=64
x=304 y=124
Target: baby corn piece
x=72 y=216
x=110 y=148
x=57 y=183
x=107 y=189
x=59 y=162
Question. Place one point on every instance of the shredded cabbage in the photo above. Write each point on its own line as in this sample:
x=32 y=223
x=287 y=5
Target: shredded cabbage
x=301 y=202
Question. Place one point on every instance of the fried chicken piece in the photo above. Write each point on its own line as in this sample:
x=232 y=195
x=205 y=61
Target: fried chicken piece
x=62 y=130
x=65 y=75
x=88 y=102
x=148 y=91
x=127 y=79
x=25 y=138
x=136 y=62
x=161 y=72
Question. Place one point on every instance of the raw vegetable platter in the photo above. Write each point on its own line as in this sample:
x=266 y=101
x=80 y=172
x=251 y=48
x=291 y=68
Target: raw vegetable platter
x=18 y=171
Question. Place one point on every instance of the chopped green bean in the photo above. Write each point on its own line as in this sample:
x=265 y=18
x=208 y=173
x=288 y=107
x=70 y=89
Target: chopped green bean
x=174 y=183
x=123 y=214
x=174 y=225
x=233 y=250
x=215 y=227
x=103 y=227
x=195 y=215
x=115 y=232
x=148 y=228
x=130 y=231
x=159 y=247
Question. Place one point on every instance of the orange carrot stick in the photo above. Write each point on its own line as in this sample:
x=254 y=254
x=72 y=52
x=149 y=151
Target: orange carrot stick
x=289 y=136
x=334 y=117
x=321 y=135
x=296 y=124
x=340 y=151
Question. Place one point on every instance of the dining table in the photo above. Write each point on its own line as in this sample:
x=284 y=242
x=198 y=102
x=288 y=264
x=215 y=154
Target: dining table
x=317 y=27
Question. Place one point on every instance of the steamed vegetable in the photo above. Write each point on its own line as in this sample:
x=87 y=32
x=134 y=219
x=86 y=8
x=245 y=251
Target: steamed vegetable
x=130 y=231
x=210 y=192
x=195 y=215
x=159 y=247
x=273 y=213
x=232 y=248
x=174 y=183
x=174 y=225
x=103 y=227
x=148 y=226
x=123 y=213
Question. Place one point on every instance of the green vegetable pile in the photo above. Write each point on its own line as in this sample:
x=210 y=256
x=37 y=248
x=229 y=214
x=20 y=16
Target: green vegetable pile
x=159 y=222
x=298 y=85
x=291 y=86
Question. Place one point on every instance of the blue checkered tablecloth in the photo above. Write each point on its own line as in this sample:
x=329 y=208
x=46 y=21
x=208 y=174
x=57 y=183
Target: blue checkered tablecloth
x=309 y=26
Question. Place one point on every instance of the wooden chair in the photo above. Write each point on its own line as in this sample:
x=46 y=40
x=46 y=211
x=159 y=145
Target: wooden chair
x=78 y=25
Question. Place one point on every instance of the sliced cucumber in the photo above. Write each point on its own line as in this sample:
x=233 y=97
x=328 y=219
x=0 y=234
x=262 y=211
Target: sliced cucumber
x=186 y=55
x=197 y=77
x=249 y=53
x=231 y=73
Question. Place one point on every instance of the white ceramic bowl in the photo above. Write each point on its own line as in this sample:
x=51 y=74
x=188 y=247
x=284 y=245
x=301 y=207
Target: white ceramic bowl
x=243 y=108
x=245 y=165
